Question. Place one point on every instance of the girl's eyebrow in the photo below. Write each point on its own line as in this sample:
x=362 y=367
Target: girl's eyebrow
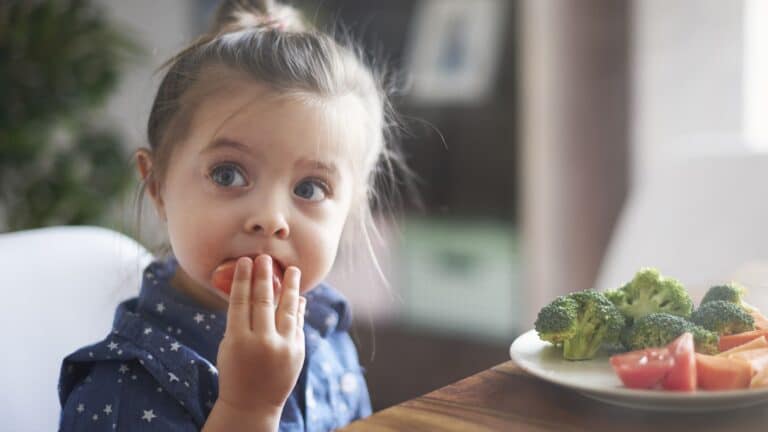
x=328 y=167
x=223 y=142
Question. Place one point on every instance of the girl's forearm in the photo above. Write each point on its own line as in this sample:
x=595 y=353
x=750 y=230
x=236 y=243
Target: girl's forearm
x=225 y=417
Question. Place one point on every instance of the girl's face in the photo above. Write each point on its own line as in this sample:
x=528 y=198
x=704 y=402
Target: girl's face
x=258 y=174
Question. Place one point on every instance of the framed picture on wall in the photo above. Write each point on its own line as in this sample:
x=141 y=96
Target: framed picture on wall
x=454 y=49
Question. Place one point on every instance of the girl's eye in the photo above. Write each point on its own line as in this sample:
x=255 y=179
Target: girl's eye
x=228 y=175
x=311 y=190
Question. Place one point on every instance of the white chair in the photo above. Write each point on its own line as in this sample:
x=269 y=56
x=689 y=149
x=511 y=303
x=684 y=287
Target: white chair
x=61 y=286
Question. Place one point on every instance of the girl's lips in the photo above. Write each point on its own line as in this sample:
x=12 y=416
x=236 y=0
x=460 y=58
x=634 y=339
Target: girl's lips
x=224 y=274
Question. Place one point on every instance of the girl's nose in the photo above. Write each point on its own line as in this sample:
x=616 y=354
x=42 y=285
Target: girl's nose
x=268 y=223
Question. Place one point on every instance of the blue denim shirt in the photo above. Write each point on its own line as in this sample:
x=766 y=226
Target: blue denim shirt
x=156 y=370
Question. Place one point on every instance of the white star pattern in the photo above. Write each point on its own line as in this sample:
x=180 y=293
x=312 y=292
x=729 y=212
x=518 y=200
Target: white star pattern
x=172 y=377
x=348 y=383
x=199 y=317
x=95 y=417
x=108 y=409
x=119 y=352
x=80 y=408
x=160 y=307
x=123 y=368
x=175 y=346
x=148 y=415
x=148 y=330
x=112 y=346
x=310 y=398
x=331 y=321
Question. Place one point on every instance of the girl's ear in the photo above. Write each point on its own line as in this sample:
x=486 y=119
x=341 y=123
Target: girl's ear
x=144 y=166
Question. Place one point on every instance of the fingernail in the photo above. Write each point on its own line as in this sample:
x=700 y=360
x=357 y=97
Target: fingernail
x=243 y=262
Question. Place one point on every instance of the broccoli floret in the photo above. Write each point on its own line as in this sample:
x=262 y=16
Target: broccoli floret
x=556 y=321
x=732 y=293
x=615 y=296
x=723 y=318
x=580 y=323
x=705 y=341
x=649 y=292
x=659 y=329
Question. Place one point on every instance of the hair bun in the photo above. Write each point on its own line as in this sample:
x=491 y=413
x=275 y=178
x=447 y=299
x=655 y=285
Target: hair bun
x=236 y=15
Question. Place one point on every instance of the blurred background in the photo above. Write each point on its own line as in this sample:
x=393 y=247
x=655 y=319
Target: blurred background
x=560 y=146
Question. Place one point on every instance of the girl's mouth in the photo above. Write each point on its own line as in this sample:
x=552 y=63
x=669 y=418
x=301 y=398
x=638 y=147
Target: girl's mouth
x=224 y=274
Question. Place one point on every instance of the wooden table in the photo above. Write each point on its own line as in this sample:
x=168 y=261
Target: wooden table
x=505 y=398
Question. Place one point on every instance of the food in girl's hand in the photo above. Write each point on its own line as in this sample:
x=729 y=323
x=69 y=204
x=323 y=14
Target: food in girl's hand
x=660 y=329
x=723 y=317
x=580 y=323
x=649 y=292
x=224 y=274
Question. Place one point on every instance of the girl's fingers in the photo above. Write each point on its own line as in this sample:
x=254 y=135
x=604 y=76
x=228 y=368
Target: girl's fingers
x=300 y=318
x=262 y=298
x=288 y=308
x=239 y=313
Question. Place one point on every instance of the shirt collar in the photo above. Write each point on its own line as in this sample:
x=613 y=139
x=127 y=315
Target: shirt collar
x=178 y=315
x=327 y=310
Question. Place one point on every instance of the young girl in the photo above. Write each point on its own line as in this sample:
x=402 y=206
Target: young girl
x=264 y=140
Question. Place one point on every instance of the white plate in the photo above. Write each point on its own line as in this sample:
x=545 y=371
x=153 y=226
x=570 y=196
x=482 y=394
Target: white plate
x=596 y=379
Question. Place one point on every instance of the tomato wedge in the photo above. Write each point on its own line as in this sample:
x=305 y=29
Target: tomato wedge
x=722 y=373
x=682 y=376
x=643 y=369
x=224 y=274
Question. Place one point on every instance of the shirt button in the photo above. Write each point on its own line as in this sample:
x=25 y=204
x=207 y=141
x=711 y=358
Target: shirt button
x=348 y=383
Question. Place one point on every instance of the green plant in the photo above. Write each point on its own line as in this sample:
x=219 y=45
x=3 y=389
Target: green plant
x=59 y=162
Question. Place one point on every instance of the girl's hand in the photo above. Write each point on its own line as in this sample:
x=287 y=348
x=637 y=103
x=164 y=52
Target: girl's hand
x=262 y=352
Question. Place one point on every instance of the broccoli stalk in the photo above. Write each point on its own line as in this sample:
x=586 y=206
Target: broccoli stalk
x=580 y=323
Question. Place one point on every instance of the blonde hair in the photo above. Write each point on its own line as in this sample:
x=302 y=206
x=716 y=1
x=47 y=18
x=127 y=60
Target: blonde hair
x=272 y=44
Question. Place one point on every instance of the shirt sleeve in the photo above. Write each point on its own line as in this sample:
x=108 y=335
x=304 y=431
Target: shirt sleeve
x=122 y=396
